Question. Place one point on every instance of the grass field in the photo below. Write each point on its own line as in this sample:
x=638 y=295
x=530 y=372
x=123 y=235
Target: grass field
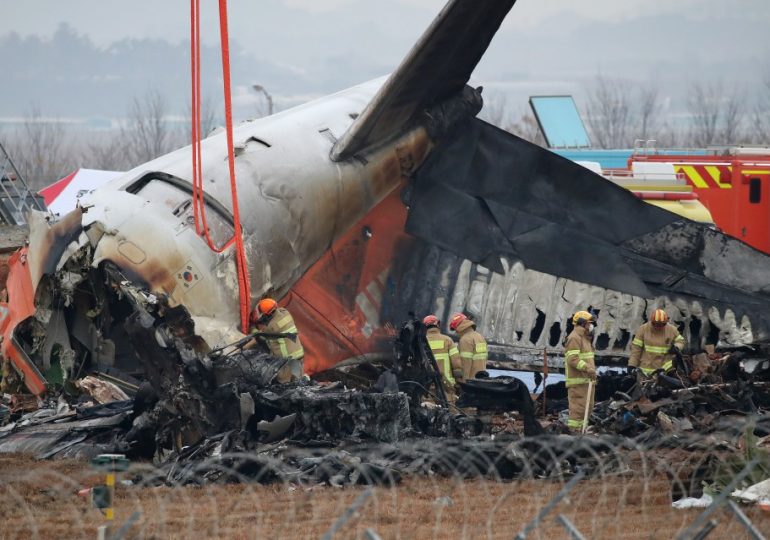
x=39 y=501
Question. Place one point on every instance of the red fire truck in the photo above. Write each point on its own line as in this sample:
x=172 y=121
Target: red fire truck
x=733 y=183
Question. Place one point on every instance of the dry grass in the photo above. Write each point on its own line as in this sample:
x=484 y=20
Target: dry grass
x=39 y=501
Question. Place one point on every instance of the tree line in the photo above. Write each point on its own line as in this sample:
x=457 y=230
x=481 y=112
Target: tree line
x=616 y=113
x=45 y=150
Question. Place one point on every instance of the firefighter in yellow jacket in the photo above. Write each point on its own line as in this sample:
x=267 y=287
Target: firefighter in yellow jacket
x=446 y=354
x=270 y=319
x=580 y=368
x=653 y=345
x=472 y=346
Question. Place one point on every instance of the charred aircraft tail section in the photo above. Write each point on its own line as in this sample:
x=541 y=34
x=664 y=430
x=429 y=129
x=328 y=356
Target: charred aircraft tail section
x=488 y=194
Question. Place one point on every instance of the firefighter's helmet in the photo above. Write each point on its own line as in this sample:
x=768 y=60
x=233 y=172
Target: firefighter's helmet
x=266 y=307
x=581 y=317
x=659 y=317
x=455 y=321
x=431 y=320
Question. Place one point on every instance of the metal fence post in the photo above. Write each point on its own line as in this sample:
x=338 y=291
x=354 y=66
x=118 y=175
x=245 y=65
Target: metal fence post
x=573 y=531
x=745 y=521
x=548 y=507
x=347 y=514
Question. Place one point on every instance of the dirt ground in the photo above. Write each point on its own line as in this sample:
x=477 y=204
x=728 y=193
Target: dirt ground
x=39 y=500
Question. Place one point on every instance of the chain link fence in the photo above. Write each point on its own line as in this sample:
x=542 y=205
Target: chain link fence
x=504 y=486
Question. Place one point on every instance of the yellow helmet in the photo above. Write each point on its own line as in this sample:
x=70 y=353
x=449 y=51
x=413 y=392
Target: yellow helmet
x=581 y=317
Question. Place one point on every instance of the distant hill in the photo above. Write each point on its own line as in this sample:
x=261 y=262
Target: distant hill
x=303 y=48
x=67 y=75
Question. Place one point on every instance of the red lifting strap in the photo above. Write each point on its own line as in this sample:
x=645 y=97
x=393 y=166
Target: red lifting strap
x=199 y=205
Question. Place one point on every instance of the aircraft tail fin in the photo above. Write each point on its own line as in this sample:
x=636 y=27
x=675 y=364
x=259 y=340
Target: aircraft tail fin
x=436 y=68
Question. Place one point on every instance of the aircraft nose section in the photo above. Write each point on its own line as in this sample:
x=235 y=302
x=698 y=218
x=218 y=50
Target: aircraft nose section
x=153 y=245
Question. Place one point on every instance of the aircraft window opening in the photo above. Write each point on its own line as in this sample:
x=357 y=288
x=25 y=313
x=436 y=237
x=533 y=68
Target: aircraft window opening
x=176 y=195
x=260 y=141
x=179 y=210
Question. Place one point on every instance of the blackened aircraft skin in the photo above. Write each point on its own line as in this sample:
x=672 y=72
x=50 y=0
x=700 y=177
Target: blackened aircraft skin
x=488 y=194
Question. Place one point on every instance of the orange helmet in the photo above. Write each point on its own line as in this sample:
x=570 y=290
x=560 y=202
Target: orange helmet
x=266 y=306
x=455 y=321
x=431 y=320
x=659 y=317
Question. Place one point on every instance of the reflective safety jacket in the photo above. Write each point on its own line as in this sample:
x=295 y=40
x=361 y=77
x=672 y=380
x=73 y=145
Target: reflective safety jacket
x=578 y=357
x=281 y=322
x=649 y=349
x=473 y=349
x=446 y=354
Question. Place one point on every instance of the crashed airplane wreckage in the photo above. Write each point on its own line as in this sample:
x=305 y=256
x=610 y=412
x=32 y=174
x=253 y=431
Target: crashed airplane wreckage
x=359 y=208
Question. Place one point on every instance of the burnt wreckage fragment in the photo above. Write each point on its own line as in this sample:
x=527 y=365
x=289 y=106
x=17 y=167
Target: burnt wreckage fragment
x=201 y=395
x=494 y=199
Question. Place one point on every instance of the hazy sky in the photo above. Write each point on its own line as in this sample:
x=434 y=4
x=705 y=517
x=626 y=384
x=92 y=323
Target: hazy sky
x=545 y=46
x=106 y=21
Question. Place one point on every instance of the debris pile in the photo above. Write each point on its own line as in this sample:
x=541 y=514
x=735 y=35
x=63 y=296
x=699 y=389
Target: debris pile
x=207 y=416
x=700 y=396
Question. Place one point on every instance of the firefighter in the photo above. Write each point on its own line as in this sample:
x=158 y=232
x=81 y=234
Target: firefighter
x=472 y=346
x=580 y=368
x=271 y=319
x=446 y=354
x=653 y=345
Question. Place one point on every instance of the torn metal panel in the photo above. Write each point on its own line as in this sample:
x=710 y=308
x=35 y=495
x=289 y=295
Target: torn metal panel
x=275 y=430
x=596 y=242
x=82 y=434
x=50 y=241
x=101 y=391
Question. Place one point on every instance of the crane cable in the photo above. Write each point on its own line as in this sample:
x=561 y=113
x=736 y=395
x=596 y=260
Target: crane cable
x=199 y=203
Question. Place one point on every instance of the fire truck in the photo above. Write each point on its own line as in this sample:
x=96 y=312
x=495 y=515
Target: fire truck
x=658 y=184
x=733 y=183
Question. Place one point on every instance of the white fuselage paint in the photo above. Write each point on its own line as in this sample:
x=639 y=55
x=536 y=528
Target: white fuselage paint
x=294 y=202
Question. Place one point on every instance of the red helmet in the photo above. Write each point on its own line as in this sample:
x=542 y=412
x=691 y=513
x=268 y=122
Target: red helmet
x=659 y=318
x=267 y=306
x=455 y=321
x=431 y=320
x=254 y=316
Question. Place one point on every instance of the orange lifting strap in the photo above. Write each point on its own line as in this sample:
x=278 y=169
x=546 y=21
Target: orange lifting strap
x=199 y=206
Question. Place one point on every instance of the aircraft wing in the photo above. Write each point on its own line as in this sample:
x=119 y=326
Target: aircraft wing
x=436 y=68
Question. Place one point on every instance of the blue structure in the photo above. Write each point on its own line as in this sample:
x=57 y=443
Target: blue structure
x=565 y=134
x=560 y=121
x=608 y=159
x=615 y=159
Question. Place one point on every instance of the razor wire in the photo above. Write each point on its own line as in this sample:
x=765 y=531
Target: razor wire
x=610 y=487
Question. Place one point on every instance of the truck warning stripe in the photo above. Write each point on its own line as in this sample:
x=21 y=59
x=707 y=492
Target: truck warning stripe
x=716 y=175
x=693 y=175
x=705 y=176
